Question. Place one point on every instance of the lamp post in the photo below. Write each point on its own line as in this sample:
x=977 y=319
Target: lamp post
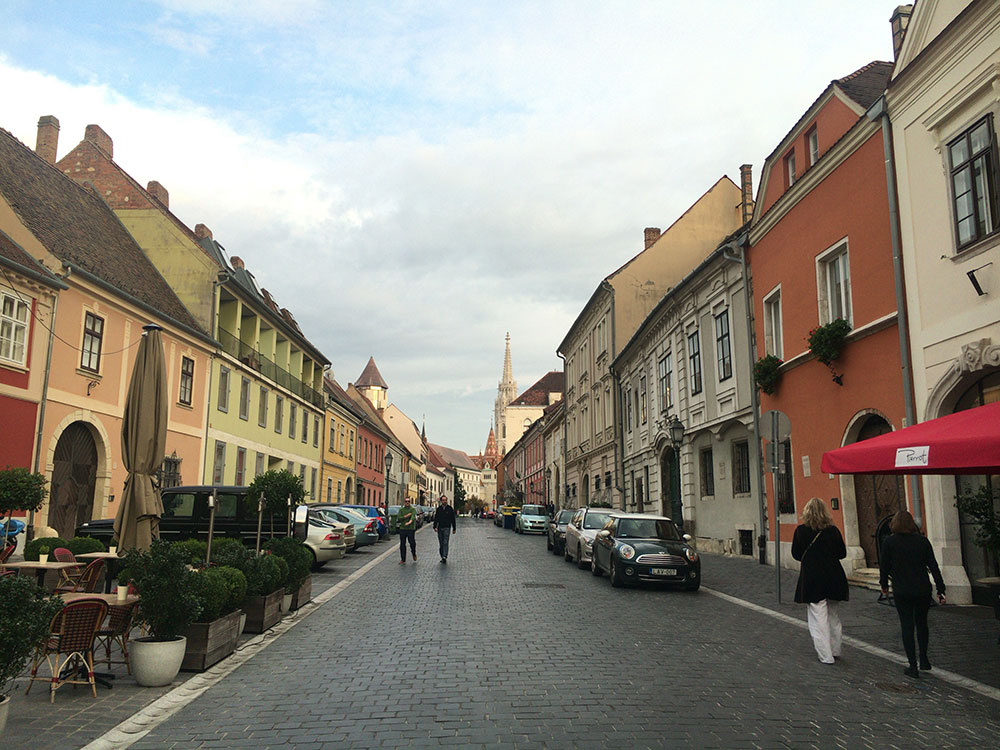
x=388 y=466
x=676 y=430
x=548 y=481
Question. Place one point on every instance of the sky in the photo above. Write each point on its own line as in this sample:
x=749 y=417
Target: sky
x=415 y=179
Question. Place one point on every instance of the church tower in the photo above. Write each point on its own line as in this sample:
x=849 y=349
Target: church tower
x=491 y=456
x=506 y=392
x=371 y=385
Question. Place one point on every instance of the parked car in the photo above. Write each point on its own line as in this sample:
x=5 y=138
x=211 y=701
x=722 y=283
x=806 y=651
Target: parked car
x=639 y=547
x=375 y=512
x=556 y=530
x=328 y=540
x=532 y=519
x=393 y=511
x=580 y=533
x=365 y=528
x=507 y=516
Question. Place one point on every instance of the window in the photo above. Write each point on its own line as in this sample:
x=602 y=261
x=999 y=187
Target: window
x=790 y=168
x=772 y=324
x=258 y=467
x=170 y=472
x=340 y=485
x=279 y=408
x=694 y=361
x=665 y=373
x=974 y=182
x=291 y=420
x=315 y=432
x=219 y=467
x=628 y=408
x=223 y=401
x=785 y=490
x=741 y=467
x=13 y=328
x=187 y=381
x=835 y=285
x=723 y=348
x=812 y=142
x=350 y=446
x=332 y=443
x=241 y=466
x=342 y=431
x=291 y=467
x=93 y=337
x=707 y=474
x=305 y=426
x=245 y=398
x=329 y=490
x=642 y=398
x=262 y=407
x=312 y=483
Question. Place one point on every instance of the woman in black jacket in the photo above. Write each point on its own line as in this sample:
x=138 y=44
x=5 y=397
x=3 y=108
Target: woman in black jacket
x=818 y=545
x=905 y=558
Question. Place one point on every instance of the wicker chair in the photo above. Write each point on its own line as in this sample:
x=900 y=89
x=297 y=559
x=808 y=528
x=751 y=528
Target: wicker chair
x=67 y=576
x=87 y=581
x=69 y=649
x=6 y=552
x=121 y=618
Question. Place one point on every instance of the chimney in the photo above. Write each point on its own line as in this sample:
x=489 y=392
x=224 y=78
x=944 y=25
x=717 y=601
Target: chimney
x=48 y=138
x=236 y=262
x=94 y=134
x=746 y=189
x=159 y=192
x=202 y=232
x=900 y=20
x=652 y=234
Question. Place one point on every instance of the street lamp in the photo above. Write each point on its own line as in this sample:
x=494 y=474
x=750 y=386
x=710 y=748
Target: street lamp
x=388 y=466
x=548 y=480
x=676 y=432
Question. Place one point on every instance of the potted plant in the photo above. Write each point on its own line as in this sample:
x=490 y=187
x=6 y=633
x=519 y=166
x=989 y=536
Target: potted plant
x=282 y=491
x=265 y=577
x=168 y=604
x=826 y=342
x=980 y=506
x=767 y=373
x=220 y=590
x=298 y=584
x=26 y=612
x=43 y=553
x=20 y=490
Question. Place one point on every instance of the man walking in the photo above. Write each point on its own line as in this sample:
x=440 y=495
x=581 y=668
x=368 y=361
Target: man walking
x=445 y=525
x=406 y=525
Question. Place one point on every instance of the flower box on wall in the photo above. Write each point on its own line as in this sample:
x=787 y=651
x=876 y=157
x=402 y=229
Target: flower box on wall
x=263 y=612
x=304 y=593
x=210 y=642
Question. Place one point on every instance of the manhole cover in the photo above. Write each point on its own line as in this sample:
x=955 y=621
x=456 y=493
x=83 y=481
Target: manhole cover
x=544 y=586
x=895 y=687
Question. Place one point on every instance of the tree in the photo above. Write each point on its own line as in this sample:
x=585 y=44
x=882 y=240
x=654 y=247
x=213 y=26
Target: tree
x=21 y=490
x=277 y=487
x=459 y=495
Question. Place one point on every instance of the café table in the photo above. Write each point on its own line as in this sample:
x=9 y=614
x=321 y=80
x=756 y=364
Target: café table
x=40 y=568
x=102 y=678
x=111 y=571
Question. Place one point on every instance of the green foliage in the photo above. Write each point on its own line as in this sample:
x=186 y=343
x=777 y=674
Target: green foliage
x=211 y=593
x=767 y=373
x=20 y=489
x=235 y=584
x=297 y=556
x=827 y=341
x=277 y=487
x=25 y=614
x=32 y=548
x=194 y=551
x=265 y=574
x=980 y=506
x=82 y=545
x=168 y=600
x=459 y=494
x=231 y=552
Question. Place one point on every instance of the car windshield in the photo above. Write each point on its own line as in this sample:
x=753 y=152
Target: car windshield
x=595 y=520
x=564 y=516
x=393 y=508
x=533 y=510
x=647 y=528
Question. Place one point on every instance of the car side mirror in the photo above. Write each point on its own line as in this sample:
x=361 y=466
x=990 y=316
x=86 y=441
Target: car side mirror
x=301 y=528
x=687 y=537
x=603 y=534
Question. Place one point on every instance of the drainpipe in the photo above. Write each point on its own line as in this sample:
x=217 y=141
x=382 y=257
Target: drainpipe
x=565 y=419
x=221 y=278
x=879 y=111
x=619 y=440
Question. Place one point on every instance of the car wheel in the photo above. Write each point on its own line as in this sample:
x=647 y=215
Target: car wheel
x=314 y=565
x=548 y=542
x=580 y=562
x=594 y=568
x=693 y=586
x=566 y=555
x=613 y=575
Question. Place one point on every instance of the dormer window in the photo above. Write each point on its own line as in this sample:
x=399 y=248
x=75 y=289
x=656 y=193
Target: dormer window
x=790 y=168
x=812 y=144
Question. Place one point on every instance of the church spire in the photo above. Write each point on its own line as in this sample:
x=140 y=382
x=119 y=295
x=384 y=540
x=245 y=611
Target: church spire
x=508 y=373
x=506 y=392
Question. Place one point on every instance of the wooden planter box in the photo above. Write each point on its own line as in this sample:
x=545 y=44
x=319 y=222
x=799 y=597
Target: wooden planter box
x=304 y=594
x=262 y=611
x=210 y=642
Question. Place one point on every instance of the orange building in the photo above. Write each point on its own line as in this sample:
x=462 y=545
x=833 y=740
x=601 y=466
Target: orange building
x=821 y=251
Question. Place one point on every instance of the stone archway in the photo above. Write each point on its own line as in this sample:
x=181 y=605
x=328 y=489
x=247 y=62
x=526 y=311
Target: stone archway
x=876 y=496
x=74 y=479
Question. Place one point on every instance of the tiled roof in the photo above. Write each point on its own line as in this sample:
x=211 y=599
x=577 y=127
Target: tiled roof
x=77 y=227
x=18 y=255
x=538 y=394
x=339 y=395
x=370 y=376
x=458 y=459
x=867 y=84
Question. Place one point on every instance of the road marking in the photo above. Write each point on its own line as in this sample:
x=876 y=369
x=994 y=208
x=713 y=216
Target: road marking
x=145 y=720
x=942 y=674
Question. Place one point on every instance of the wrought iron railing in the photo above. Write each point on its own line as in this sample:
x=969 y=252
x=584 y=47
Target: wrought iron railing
x=252 y=358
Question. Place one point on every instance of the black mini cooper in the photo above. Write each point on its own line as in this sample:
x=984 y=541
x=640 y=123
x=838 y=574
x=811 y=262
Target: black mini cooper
x=636 y=547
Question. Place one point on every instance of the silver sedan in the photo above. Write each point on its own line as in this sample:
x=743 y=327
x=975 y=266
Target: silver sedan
x=580 y=533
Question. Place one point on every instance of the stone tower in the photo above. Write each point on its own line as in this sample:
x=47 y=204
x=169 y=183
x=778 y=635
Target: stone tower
x=506 y=392
x=371 y=385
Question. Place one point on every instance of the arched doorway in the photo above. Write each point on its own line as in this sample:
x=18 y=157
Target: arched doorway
x=669 y=482
x=876 y=495
x=74 y=475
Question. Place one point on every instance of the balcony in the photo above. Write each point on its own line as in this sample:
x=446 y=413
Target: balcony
x=253 y=359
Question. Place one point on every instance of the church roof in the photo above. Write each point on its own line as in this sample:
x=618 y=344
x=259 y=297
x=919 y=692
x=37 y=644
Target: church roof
x=538 y=394
x=371 y=376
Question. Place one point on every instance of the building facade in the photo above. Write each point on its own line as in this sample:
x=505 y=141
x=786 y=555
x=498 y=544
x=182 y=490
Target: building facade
x=338 y=478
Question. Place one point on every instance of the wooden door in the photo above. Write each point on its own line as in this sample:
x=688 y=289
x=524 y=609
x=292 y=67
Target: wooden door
x=74 y=476
x=876 y=495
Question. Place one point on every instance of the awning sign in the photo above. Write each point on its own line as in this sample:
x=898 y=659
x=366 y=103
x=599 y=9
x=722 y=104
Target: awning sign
x=917 y=455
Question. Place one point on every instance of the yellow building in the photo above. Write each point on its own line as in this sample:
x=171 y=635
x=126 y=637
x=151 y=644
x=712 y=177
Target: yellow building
x=338 y=478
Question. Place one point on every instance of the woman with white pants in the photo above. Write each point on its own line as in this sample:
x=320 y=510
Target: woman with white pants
x=822 y=585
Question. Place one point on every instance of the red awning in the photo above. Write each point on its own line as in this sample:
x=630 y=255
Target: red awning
x=967 y=442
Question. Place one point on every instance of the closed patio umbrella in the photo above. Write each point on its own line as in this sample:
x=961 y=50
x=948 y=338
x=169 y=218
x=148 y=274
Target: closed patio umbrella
x=144 y=439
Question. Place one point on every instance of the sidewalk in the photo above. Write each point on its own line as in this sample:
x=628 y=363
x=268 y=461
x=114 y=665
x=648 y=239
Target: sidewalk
x=963 y=639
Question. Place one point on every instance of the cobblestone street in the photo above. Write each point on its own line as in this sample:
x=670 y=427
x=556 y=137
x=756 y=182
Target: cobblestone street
x=509 y=646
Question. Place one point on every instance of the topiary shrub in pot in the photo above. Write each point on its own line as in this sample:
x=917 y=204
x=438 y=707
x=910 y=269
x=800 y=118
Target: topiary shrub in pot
x=215 y=635
x=230 y=552
x=265 y=586
x=35 y=547
x=82 y=545
x=26 y=612
x=193 y=550
x=296 y=555
x=168 y=604
x=20 y=490
x=277 y=487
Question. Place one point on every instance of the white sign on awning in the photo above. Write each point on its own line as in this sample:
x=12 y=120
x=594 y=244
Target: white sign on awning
x=917 y=455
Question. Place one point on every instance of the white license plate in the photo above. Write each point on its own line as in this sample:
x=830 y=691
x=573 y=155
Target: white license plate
x=663 y=571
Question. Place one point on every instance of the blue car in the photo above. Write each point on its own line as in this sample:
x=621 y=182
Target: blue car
x=373 y=512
